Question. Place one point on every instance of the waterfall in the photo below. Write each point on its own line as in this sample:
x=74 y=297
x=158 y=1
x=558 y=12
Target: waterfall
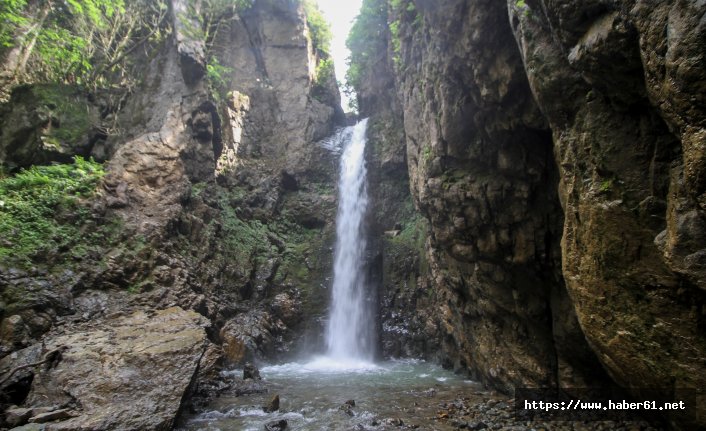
x=349 y=336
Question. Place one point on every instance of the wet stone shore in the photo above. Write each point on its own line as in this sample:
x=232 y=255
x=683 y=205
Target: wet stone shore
x=394 y=396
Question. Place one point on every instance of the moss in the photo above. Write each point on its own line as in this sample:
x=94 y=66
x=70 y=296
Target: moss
x=72 y=117
x=606 y=186
x=198 y=188
x=426 y=154
x=323 y=189
x=412 y=235
x=299 y=243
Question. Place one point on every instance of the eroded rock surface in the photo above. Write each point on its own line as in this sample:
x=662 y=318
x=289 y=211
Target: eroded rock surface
x=557 y=150
x=217 y=203
x=124 y=371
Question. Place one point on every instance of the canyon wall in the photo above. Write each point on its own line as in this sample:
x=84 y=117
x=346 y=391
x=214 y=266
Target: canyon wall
x=556 y=149
x=209 y=241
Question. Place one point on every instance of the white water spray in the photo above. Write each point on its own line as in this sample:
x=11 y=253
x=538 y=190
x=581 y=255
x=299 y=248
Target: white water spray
x=350 y=335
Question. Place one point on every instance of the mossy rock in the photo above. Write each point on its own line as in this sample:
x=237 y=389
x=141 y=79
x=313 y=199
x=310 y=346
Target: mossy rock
x=47 y=123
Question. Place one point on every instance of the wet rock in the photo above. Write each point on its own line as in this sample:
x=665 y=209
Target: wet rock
x=248 y=387
x=347 y=409
x=13 y=332
x=191 y=49
x=53 y=415
x=47 y=123
x=430 y=393
x=250 y=371
x=248 y=336
x=396 y=422
x=279 y=425
x=476 y=425
x=287 y=308
x=273 y=405
x=16 y=416
x=31 y=427
x=15 y=388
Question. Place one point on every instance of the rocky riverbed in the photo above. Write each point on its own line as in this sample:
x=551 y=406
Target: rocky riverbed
x=395 y=395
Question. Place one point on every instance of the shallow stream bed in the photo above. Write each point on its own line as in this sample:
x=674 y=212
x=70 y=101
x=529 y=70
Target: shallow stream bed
x=311 y=395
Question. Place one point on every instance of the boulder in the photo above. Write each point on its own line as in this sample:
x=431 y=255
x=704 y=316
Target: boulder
x=15 y=416
x=53 y=415
x=273 y=405
x=279 y=425
x=123 y=372
x=248 y=336
x=251 y=372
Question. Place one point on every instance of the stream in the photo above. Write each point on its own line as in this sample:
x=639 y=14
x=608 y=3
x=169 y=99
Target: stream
x=311 y=395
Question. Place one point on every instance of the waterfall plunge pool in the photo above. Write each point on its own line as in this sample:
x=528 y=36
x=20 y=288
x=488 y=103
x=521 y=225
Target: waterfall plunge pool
x=311 y=394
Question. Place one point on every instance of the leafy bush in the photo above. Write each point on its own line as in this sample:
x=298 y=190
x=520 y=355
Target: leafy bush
x=324 y=72
x=217 y=76
x=319 y=28
x=366 y=41
x=79 y=41
x=40 y=207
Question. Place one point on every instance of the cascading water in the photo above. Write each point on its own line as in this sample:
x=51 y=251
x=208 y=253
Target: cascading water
x=312 y=391
x=349 y=336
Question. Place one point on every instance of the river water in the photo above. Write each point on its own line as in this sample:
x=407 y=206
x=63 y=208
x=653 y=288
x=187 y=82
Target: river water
x=312 y=393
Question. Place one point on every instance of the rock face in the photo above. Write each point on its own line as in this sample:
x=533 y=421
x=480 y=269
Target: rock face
x=128 y=372
x=274 y=66
x=47 y=123
x=482 y=172
x=629 y=141
x=557 y=150
x=218 y=201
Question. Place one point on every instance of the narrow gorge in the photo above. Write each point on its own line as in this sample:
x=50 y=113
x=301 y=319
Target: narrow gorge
x=516 y=199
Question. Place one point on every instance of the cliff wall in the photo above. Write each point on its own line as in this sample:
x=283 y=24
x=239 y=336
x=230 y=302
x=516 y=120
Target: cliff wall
x=556 y=149
x=217 y=208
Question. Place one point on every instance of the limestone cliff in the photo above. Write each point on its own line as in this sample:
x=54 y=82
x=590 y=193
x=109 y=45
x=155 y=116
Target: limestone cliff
x=556 y=148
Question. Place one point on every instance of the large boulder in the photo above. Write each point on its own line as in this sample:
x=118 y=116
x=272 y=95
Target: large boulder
x=122 y=372
x=250 y=336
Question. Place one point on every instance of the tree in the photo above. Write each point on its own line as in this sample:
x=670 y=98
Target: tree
x=76 y=41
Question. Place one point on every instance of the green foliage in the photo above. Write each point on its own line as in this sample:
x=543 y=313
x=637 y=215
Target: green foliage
x=413 y=233
x=324 y=72
x=40 y=207
x=323 y=77
x=427 y=154
x=79 y=41
x=521 y=4
x=366 y=41
x=214 y=14
x=63 y=55
x=401 y=10
x=217 y=76
x=11 y=17
x=395 y=41
x=242 y=240
x=319 y=28
x=606 y=186
x=212 y=17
